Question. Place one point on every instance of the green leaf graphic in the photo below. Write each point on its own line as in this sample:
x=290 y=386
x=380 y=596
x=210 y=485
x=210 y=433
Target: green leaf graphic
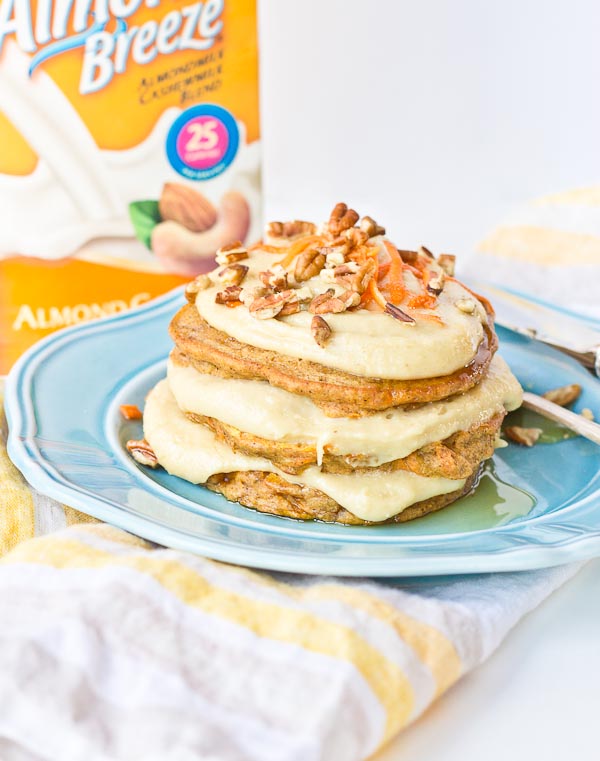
x=144 y=216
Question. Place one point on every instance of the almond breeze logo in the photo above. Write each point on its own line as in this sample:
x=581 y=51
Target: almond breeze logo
x=106 y=52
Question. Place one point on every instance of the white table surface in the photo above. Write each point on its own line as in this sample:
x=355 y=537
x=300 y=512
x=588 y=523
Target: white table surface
x=437 y=119
x=537 y=697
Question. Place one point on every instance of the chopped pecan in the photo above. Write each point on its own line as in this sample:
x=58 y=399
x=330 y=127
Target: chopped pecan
x=274 y=229
x=342 y=218
x=425 y=252
x=348 y=268
x=201 y=283
x=230 y=294
x=142 y=452
x=333 y=256
x=356 y=237
x=328 y=275
x=328 y=302
x=248 y=295
x=232 y=253
x=276 y=278
x=370 y=227
x=130 y=412
x=408 y=257
x=350 y=299
x=447 y=262
x=436 y=282
x=303 y=294
x=398 y=314
x=290 y=307
x=320 y=330
x=525 y=436
x=297 y=228
x=465 y=305
x=308 y=264
x=270 y=305
x=324 y=301
x=234 y=274
x=563 y=395
x=356 y=279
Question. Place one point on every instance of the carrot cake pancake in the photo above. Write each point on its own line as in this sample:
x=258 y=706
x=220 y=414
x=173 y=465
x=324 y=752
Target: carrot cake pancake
x=323 y=373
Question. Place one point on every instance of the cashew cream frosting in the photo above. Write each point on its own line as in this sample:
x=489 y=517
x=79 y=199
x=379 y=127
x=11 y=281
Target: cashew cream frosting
x=366 y=343
x=192 y=452
x=263 y=410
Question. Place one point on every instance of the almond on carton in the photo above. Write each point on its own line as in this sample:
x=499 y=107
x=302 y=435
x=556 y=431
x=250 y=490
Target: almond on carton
x=181 y=203
x=142 y=163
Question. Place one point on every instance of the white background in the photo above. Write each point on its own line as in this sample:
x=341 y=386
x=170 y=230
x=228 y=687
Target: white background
x=437 y=118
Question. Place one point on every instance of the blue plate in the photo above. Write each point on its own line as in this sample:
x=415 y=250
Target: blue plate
x=67 y=437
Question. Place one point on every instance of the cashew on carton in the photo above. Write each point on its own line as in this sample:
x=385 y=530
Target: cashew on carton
x=129 y=153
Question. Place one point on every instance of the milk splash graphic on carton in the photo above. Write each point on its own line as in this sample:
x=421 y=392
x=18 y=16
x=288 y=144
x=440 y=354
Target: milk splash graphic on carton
x=129 y=152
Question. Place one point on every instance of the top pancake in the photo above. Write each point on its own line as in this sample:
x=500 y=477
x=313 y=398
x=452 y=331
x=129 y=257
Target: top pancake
x=340 y=315
x=437 y=338
x=338 y=393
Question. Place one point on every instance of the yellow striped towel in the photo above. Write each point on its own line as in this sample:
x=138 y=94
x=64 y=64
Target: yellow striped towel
x=113 y=649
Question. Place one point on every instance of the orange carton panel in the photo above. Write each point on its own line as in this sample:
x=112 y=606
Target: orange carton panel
x=129 y=152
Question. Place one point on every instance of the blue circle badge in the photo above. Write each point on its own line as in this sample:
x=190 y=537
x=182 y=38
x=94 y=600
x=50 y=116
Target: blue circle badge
x=202 y=141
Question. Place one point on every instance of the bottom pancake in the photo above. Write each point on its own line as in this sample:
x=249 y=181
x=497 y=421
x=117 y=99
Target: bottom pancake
x=269 y=493
x=192 y=451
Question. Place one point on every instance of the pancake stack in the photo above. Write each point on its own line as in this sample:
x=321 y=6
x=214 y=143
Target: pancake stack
x=325 y=374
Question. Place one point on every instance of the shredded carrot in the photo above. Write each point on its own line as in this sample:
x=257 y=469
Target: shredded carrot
x=361 y=254
x=130 y=412
x=417 y=273
x=375 y=293
x=396 y=281
x=384 y=268
x=260 y=246
x=366 y=298
x=298 y=247
x=421 y=301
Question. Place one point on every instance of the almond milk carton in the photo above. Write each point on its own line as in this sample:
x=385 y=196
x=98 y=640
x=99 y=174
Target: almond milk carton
x=129 y=152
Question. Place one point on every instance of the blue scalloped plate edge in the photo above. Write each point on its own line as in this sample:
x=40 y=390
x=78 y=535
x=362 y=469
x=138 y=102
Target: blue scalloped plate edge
x=574 y=543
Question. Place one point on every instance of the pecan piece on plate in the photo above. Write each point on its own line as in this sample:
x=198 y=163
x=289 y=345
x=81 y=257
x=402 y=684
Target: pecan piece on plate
x=527 y=437
x=142 y=452
x=563 y=395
